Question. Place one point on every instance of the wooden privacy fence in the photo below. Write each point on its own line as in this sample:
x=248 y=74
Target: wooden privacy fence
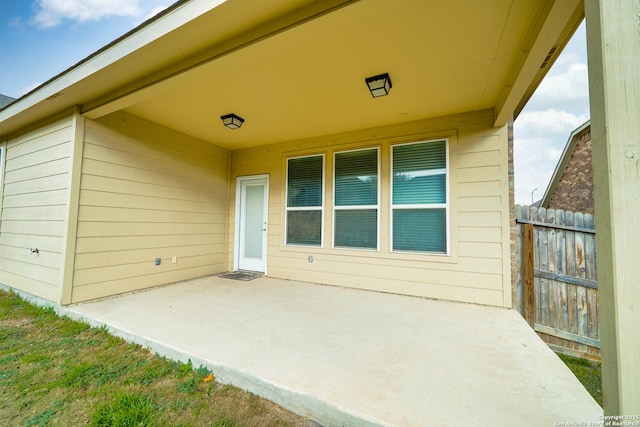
x=556 y=288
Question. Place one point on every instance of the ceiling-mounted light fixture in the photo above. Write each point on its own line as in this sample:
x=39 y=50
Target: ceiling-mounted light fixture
x=232 y=121
x=379 y=85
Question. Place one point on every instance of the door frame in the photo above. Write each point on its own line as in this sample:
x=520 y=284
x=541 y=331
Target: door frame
x=237 y=220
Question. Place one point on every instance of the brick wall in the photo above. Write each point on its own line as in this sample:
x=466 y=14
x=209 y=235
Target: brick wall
x=575 y=189
x=512 y=217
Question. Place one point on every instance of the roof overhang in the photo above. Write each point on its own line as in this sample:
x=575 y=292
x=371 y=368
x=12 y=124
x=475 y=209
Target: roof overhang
x=295 y=69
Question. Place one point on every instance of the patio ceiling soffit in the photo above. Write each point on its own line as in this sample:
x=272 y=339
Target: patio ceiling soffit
x=177 y=74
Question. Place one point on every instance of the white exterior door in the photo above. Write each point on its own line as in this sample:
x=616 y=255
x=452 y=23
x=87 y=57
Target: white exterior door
x=251 y=223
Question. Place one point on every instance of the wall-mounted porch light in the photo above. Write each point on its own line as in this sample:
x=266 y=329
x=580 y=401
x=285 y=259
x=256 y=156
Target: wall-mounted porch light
x=379 y=85
x=232 y=121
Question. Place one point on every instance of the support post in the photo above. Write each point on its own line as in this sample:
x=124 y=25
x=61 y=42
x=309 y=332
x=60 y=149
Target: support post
x=528 y=278
x=613 y=42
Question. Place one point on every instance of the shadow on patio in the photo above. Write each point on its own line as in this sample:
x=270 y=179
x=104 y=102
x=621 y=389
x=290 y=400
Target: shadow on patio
x=353 y=358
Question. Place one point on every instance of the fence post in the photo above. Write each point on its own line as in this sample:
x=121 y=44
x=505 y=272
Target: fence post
x=528 y=281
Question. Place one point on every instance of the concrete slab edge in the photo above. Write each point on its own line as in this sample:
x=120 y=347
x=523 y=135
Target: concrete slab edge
x=306 y=405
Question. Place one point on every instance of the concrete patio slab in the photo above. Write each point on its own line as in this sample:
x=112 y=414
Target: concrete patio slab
x=346 y=357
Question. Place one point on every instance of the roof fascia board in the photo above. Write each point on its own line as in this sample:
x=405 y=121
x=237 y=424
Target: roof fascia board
x=146 y=33
x=562 y=163
x=562 y=15
x=175 y=74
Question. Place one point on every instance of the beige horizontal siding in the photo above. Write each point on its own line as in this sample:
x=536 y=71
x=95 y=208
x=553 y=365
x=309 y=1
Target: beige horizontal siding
x=11 y=255
x=45 y=169
x=116 y=258
x=33 y=228
x=478 y=203
x=136 y=201
x=479 y=160
x=481 y=249
x=38 y=186
x=27 y=279
x=132 y=271
x=479 y=188
x=474 y=271
x=476 y=174
x=480 y=234
x=480 y=219
x=400 y=286
x=129 y=229
x=100 y=183
x=44 y=213
x=145 y=193
x=13 y=243
x=351 y=269
x=49 y=198
x=105 y=243
x=160 y=212
x=34 y=209
x=162 y=274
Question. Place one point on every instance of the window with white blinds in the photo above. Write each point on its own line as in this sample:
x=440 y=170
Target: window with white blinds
x=419 y=200
x=356 y=195
x=305 y=195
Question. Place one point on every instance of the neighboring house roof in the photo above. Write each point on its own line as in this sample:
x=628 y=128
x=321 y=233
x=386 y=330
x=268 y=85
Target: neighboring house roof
x=295 y=69
x=5 y=100
x=561 y=166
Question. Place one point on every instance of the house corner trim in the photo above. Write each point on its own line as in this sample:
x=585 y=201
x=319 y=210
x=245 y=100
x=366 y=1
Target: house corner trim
x=69 y=252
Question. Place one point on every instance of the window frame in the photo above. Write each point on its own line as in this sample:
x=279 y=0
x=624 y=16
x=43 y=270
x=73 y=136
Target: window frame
x=357 y=207
x=321 y=208
x=446 y=205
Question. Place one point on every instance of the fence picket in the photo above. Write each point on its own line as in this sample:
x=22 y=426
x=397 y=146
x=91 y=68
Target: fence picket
x=592 y=309
x=582 y=306
x=571 y=269
x=537 y=285
x=563 y=315
x=590 y=267
x=544 y=265
x=571 y=245
x=552 y=267
x=590 y=248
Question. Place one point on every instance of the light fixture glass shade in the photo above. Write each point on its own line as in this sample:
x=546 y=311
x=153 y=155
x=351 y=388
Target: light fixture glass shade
x=379 y=85
x=232 y=121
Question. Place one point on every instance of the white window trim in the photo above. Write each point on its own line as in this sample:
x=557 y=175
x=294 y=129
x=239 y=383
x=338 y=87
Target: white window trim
x=446 y=205
x=304 y=208
x=356 y=207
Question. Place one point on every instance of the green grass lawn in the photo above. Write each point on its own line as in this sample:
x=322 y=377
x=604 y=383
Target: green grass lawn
x=588 y=373
x=56 y=371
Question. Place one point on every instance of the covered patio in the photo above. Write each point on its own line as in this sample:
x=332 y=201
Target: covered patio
x=347 y=357
x=123 y=161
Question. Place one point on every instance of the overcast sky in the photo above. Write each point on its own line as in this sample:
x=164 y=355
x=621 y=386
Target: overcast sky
x=41 y=38
x=559 y=106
